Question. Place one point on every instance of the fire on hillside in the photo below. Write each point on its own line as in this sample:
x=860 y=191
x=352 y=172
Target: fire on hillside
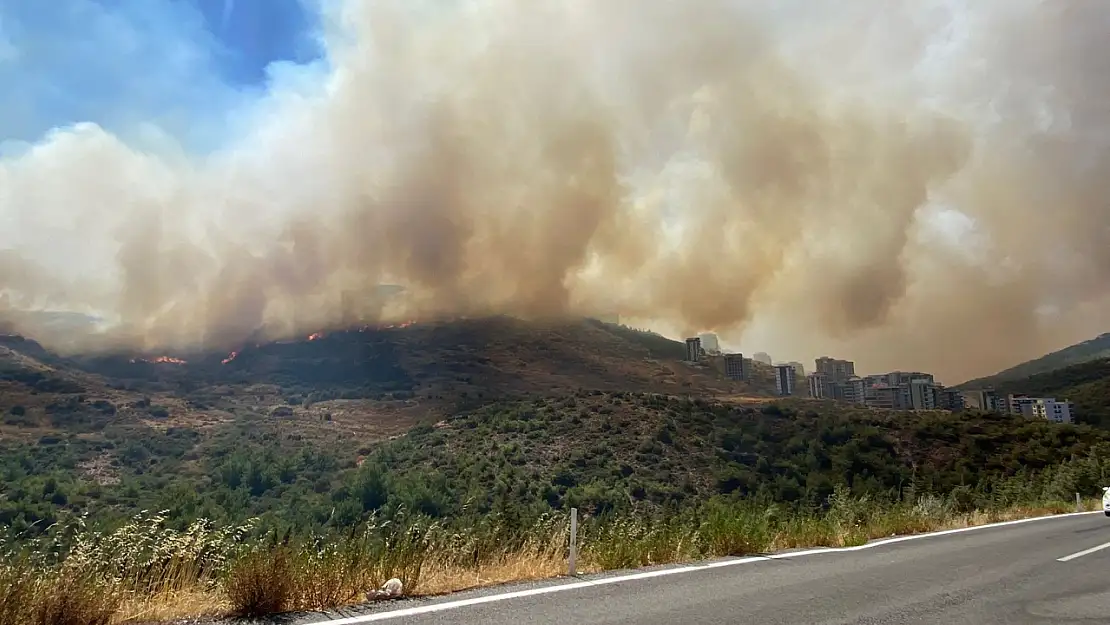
x=316 y=336
x=160 y=360
x=389 y=326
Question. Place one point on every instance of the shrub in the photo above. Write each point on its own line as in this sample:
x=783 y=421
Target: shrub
x=69 y=595
x=73 y=597
x=736 y=530
x=261 y=583
x=18 y=588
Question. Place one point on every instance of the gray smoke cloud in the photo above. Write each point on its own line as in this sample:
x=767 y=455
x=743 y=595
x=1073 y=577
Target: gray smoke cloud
x=910 y=184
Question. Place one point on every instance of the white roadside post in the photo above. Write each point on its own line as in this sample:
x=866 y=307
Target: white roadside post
x=572 y=564
x=1078 y=503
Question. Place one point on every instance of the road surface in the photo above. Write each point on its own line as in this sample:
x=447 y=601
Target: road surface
x=1046 y=571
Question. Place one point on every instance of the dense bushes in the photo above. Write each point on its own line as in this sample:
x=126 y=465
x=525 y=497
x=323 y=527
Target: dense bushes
x=622 y=452
x=603 y=453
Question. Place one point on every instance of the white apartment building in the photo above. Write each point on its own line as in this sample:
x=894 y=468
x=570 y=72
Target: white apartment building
x=1048 y=409
x=818 y=386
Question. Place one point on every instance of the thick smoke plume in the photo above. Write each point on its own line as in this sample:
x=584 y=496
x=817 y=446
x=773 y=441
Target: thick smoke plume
x=914 y=184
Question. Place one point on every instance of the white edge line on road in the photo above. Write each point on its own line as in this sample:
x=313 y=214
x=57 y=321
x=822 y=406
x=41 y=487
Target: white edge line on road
x=1083 y=553
x=556 y=587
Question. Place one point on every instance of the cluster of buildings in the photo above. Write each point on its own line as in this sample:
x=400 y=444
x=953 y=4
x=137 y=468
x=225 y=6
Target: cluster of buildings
x=837 y=379
x=1046 y=408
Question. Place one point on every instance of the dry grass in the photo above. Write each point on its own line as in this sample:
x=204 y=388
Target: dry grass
x=63 y=596
x=75 y=598
x=196 y=601
x=446 y=577
x=262 y=583
x=144 y=573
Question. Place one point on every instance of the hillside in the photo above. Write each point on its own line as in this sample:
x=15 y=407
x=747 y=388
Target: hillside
x=495 y=356
x=151 y=426
x=452 y=419
x=1093 y=349
x=591 y=449
x=612 y=452
x=370 y=382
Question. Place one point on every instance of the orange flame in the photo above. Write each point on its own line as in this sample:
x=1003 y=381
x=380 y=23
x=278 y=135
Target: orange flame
x=230 y=357
x=315 y=336
x=165 y=360
x=397 y=326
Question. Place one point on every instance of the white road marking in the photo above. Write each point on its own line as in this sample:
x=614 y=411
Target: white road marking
x=1083 y=553
x=556 y=587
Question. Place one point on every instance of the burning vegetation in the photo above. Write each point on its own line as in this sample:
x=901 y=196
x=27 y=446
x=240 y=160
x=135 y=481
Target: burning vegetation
x=160 y=360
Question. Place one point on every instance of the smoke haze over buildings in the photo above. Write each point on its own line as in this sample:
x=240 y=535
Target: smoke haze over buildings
x=916 y=184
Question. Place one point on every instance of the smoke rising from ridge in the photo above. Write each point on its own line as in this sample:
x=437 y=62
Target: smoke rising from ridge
x=905 y=182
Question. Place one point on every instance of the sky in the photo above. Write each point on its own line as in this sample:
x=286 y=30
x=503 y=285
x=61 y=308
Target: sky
x=179 y=64
x=849 y=177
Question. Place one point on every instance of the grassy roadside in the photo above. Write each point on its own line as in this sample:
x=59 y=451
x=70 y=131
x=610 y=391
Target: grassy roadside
x=143 y=572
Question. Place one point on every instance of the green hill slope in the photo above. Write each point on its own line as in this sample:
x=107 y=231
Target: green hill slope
x=612 y=452
x=595 y=450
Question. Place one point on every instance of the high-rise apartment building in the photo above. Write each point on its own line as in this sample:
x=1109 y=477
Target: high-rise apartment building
x=835 y=370
x=1046 y=408
x=818 y=386
x=986 y=400
x=854 y=390
x=884 y=397
x=919 y=394
x=950 y=399
x=1050 y=410
x=710 y=343
x=734 y=367
x=784 y=379
x=1018 y=404
x=694 y=352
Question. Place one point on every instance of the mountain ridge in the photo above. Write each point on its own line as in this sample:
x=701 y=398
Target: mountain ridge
x=413 y=372
x=1084 y=351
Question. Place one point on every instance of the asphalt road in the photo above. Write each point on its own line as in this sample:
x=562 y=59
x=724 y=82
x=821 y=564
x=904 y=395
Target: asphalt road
x=1047 y=571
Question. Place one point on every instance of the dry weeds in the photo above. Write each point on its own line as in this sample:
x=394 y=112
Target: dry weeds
x=144 y=572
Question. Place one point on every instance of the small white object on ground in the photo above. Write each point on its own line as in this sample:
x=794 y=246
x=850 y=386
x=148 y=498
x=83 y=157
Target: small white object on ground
x=389 y=590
